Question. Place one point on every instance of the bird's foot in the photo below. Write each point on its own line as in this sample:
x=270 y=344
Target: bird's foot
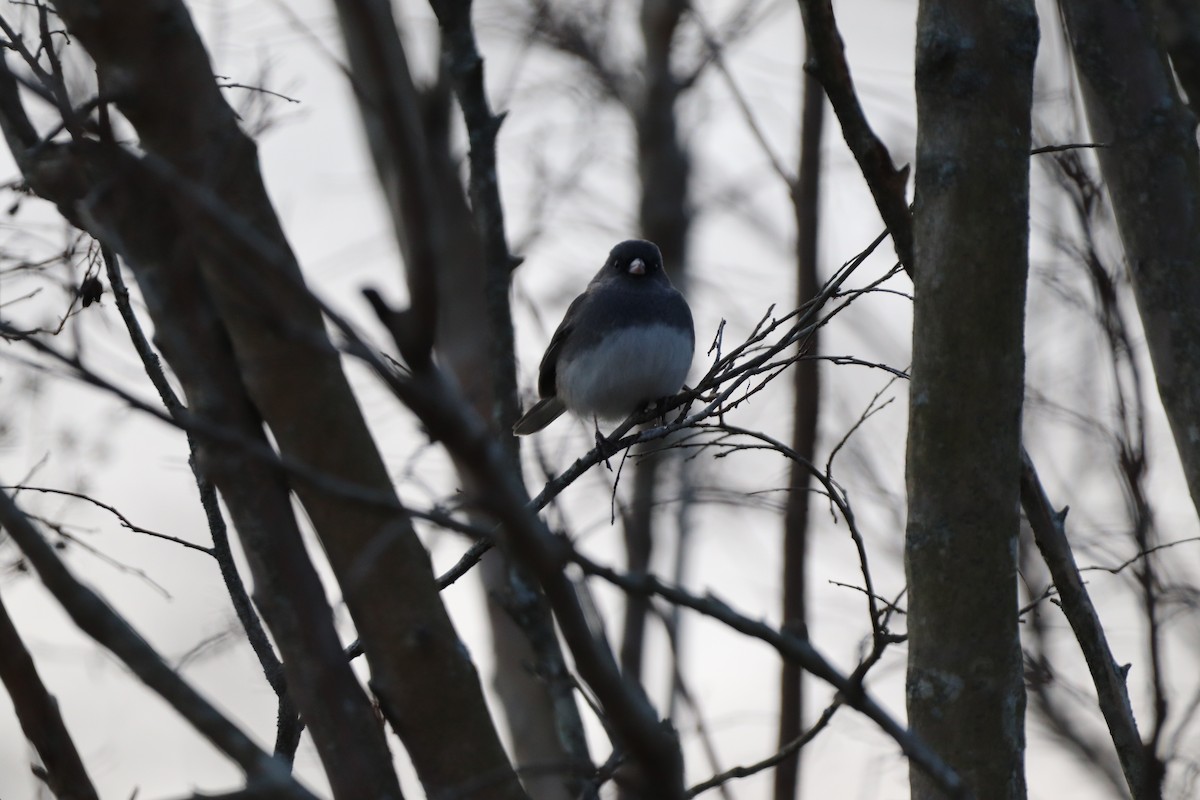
x=604 y=444
x=659 y=407
x=686 y=408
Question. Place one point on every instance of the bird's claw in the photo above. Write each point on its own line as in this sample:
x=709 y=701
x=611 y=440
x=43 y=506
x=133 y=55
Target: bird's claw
x=604 y=445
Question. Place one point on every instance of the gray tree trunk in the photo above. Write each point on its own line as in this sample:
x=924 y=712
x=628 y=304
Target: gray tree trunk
x=806 y=405
x=149 y=55
x=473 y=340
x=966 y=695
x=1152 y=169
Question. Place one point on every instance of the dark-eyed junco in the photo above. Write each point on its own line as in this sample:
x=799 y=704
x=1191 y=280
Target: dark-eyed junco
x=625 y=342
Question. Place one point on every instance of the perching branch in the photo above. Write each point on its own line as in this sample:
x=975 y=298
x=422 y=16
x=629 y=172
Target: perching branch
x=732 y=378
x=651 y=743
x=447 y=420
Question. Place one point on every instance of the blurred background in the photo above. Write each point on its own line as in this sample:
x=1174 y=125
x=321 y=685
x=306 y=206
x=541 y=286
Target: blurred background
x=569 y=177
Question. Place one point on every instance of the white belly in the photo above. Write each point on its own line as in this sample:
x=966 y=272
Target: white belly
x=629 y=369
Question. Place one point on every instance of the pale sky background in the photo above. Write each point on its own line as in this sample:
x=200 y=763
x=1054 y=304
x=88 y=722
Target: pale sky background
x=319 y=177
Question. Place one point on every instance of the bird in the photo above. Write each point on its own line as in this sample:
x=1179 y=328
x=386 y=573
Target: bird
x=627 y=341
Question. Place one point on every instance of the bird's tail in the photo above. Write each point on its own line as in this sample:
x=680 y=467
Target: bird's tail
x=542 y=414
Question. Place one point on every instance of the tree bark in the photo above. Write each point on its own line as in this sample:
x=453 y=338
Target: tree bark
x=1151 y=166
x=965 y=690
x=106 y=192
x=149 y=56
x=1179 y=31
x=408 y=133
x=806 y=383
x=664 y=217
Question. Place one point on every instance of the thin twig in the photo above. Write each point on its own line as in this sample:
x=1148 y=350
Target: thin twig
x=1119 y=568
x=99 y=621
x=110 y=509
x=288 y=727
x=792 y=648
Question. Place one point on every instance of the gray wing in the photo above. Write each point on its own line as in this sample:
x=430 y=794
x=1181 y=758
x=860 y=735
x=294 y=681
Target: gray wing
x=548 y=370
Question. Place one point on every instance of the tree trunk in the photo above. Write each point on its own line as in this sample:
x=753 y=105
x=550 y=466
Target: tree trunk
x=806 y=384
x=1179 y=30
x=148 y=55
x=474 y=340
x=664 y=216
x=1152 y=169
x=966 y=695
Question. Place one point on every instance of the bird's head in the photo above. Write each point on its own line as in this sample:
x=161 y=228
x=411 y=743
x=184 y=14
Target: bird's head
x=637 y=259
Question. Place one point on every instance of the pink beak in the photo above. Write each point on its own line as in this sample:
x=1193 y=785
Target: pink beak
x=637 y=267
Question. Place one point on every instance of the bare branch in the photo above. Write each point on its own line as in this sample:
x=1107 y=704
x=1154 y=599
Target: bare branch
x=1109 y=679
x=288 y=727
x=743 y=105
x=792 y=648
x=37 y=711
x=651 y=743
x=729 y=373
x=110 y=509
x=785 y=752
x=1121 y=567
x=887 y=184
x=387 y=101
x=568 y=32
x=444 y=416
x=104 y=625
x=461 y=57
